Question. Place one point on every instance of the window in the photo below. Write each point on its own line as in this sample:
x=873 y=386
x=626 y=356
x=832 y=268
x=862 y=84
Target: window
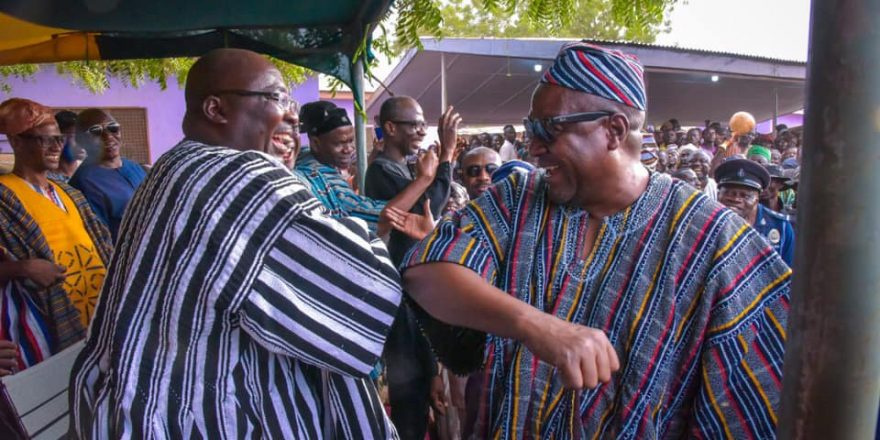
x=135 y=133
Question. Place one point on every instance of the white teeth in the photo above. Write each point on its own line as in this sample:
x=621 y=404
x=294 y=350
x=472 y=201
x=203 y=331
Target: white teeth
x=548 y=170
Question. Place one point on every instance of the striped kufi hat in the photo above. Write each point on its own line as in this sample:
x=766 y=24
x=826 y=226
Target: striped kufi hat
x=610 y=74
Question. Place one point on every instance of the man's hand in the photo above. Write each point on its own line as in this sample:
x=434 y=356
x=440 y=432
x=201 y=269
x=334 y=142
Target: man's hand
x=583 y=355
x=447 y=131
x=438 y=395
x=415 y=226
x=43 y=273
x=8 y=357
x=426 y=167
x=458 y=390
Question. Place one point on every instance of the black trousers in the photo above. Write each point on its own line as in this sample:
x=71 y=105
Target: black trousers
x=410 y=367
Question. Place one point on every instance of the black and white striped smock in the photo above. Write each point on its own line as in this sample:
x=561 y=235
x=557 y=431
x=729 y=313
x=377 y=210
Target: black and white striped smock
x=233 y=308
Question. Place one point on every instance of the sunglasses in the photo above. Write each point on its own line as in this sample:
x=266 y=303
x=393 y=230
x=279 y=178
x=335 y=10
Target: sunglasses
x=98 y=130
x=475 y=170
x=543 y=128
x=44 y=141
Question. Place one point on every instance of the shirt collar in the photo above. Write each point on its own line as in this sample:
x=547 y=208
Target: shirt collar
x=639 y=213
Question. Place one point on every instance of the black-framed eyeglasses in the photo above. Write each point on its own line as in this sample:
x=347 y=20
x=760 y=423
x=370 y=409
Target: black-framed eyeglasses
x=43 y=140
x=418 y=125
x=282 y=99
x=98 y=130
x=475 y=170
x=543 y=128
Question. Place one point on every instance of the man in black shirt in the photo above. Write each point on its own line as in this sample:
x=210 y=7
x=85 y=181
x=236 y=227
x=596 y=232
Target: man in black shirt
x=411 y=366
x=404 y=129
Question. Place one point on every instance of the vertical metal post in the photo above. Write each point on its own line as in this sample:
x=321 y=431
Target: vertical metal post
x=443 y=102
x=775 y=109
x=831 y=385
x=360 y=122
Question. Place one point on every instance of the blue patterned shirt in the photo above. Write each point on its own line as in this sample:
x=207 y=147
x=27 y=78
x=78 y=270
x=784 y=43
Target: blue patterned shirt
x=335 y=193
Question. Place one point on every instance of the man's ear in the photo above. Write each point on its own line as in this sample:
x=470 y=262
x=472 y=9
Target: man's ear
x=389 y=128
x=212 y=108
x=618 y=130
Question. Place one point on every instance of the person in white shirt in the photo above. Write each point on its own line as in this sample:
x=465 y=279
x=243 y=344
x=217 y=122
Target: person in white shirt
x=508 y=149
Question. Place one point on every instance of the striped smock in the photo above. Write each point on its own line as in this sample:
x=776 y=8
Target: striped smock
x=233 y=308
x=692 y=298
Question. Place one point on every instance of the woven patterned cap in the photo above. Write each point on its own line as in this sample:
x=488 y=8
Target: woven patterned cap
x=610 y=74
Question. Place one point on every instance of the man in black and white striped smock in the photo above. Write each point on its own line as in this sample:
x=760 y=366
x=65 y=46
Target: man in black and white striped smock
x=233 y=307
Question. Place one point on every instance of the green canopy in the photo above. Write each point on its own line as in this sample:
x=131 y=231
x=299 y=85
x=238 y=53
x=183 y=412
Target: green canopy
x=324 y=36
x=330 y=36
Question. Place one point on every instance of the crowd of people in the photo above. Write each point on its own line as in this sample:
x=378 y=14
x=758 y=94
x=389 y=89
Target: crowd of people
x=579 y=280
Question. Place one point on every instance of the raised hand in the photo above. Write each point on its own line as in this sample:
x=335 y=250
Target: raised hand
x=583 y=355
x=447 y=131
x=426 y=167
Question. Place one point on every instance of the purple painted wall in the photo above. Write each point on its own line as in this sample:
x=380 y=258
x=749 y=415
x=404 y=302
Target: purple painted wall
x=165 y=108
x=347 y=104
x=792 y=120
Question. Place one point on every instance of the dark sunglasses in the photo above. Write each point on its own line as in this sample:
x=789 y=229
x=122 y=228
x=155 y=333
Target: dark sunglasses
x=98 y=130
x=541 y=128
x=475 y=170
x=42 y=139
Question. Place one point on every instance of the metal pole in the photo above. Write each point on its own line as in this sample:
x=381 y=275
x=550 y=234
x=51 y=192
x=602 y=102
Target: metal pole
x=831 y=386
x=360 y=122
x=443 y=101
x=775 y=109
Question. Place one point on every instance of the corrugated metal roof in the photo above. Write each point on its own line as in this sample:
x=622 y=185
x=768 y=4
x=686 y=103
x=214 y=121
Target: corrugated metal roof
x=646 y=45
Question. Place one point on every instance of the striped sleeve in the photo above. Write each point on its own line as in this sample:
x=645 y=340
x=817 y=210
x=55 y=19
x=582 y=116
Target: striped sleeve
x=326 y=295
x=357 y=205
x=741 y=372
x=475 y=237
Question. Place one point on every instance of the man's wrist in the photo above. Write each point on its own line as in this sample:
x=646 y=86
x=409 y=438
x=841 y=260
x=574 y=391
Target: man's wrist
x=424 y=179
x=527 y=323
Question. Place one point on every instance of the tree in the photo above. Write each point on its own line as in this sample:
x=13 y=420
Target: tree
x=635 y=20
x=590 y=19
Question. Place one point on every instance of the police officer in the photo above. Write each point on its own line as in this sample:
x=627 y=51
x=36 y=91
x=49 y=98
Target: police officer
x=740 y=184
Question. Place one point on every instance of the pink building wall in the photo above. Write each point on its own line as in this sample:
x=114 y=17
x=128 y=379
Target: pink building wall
x=165 y=108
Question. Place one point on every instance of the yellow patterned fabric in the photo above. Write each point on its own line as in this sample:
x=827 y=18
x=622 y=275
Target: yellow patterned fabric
x=69 y=241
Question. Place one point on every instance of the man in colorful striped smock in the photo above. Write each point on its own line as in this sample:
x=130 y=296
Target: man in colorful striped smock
x=678 y=305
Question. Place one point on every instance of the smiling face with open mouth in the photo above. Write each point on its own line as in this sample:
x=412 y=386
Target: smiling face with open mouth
x=285 y=140
x=40 y=148
x=575 y=158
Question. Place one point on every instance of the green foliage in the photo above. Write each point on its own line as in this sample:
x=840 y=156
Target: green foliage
x=95 y=75
x=21 y=71
x=632 y=20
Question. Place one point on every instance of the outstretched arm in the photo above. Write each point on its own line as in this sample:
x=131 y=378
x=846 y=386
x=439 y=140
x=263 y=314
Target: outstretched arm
x=458 y=296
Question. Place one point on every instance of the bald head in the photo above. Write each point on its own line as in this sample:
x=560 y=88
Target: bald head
x=235 y=98
x=222 y=69
x=477 y=167
x=485 y=152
